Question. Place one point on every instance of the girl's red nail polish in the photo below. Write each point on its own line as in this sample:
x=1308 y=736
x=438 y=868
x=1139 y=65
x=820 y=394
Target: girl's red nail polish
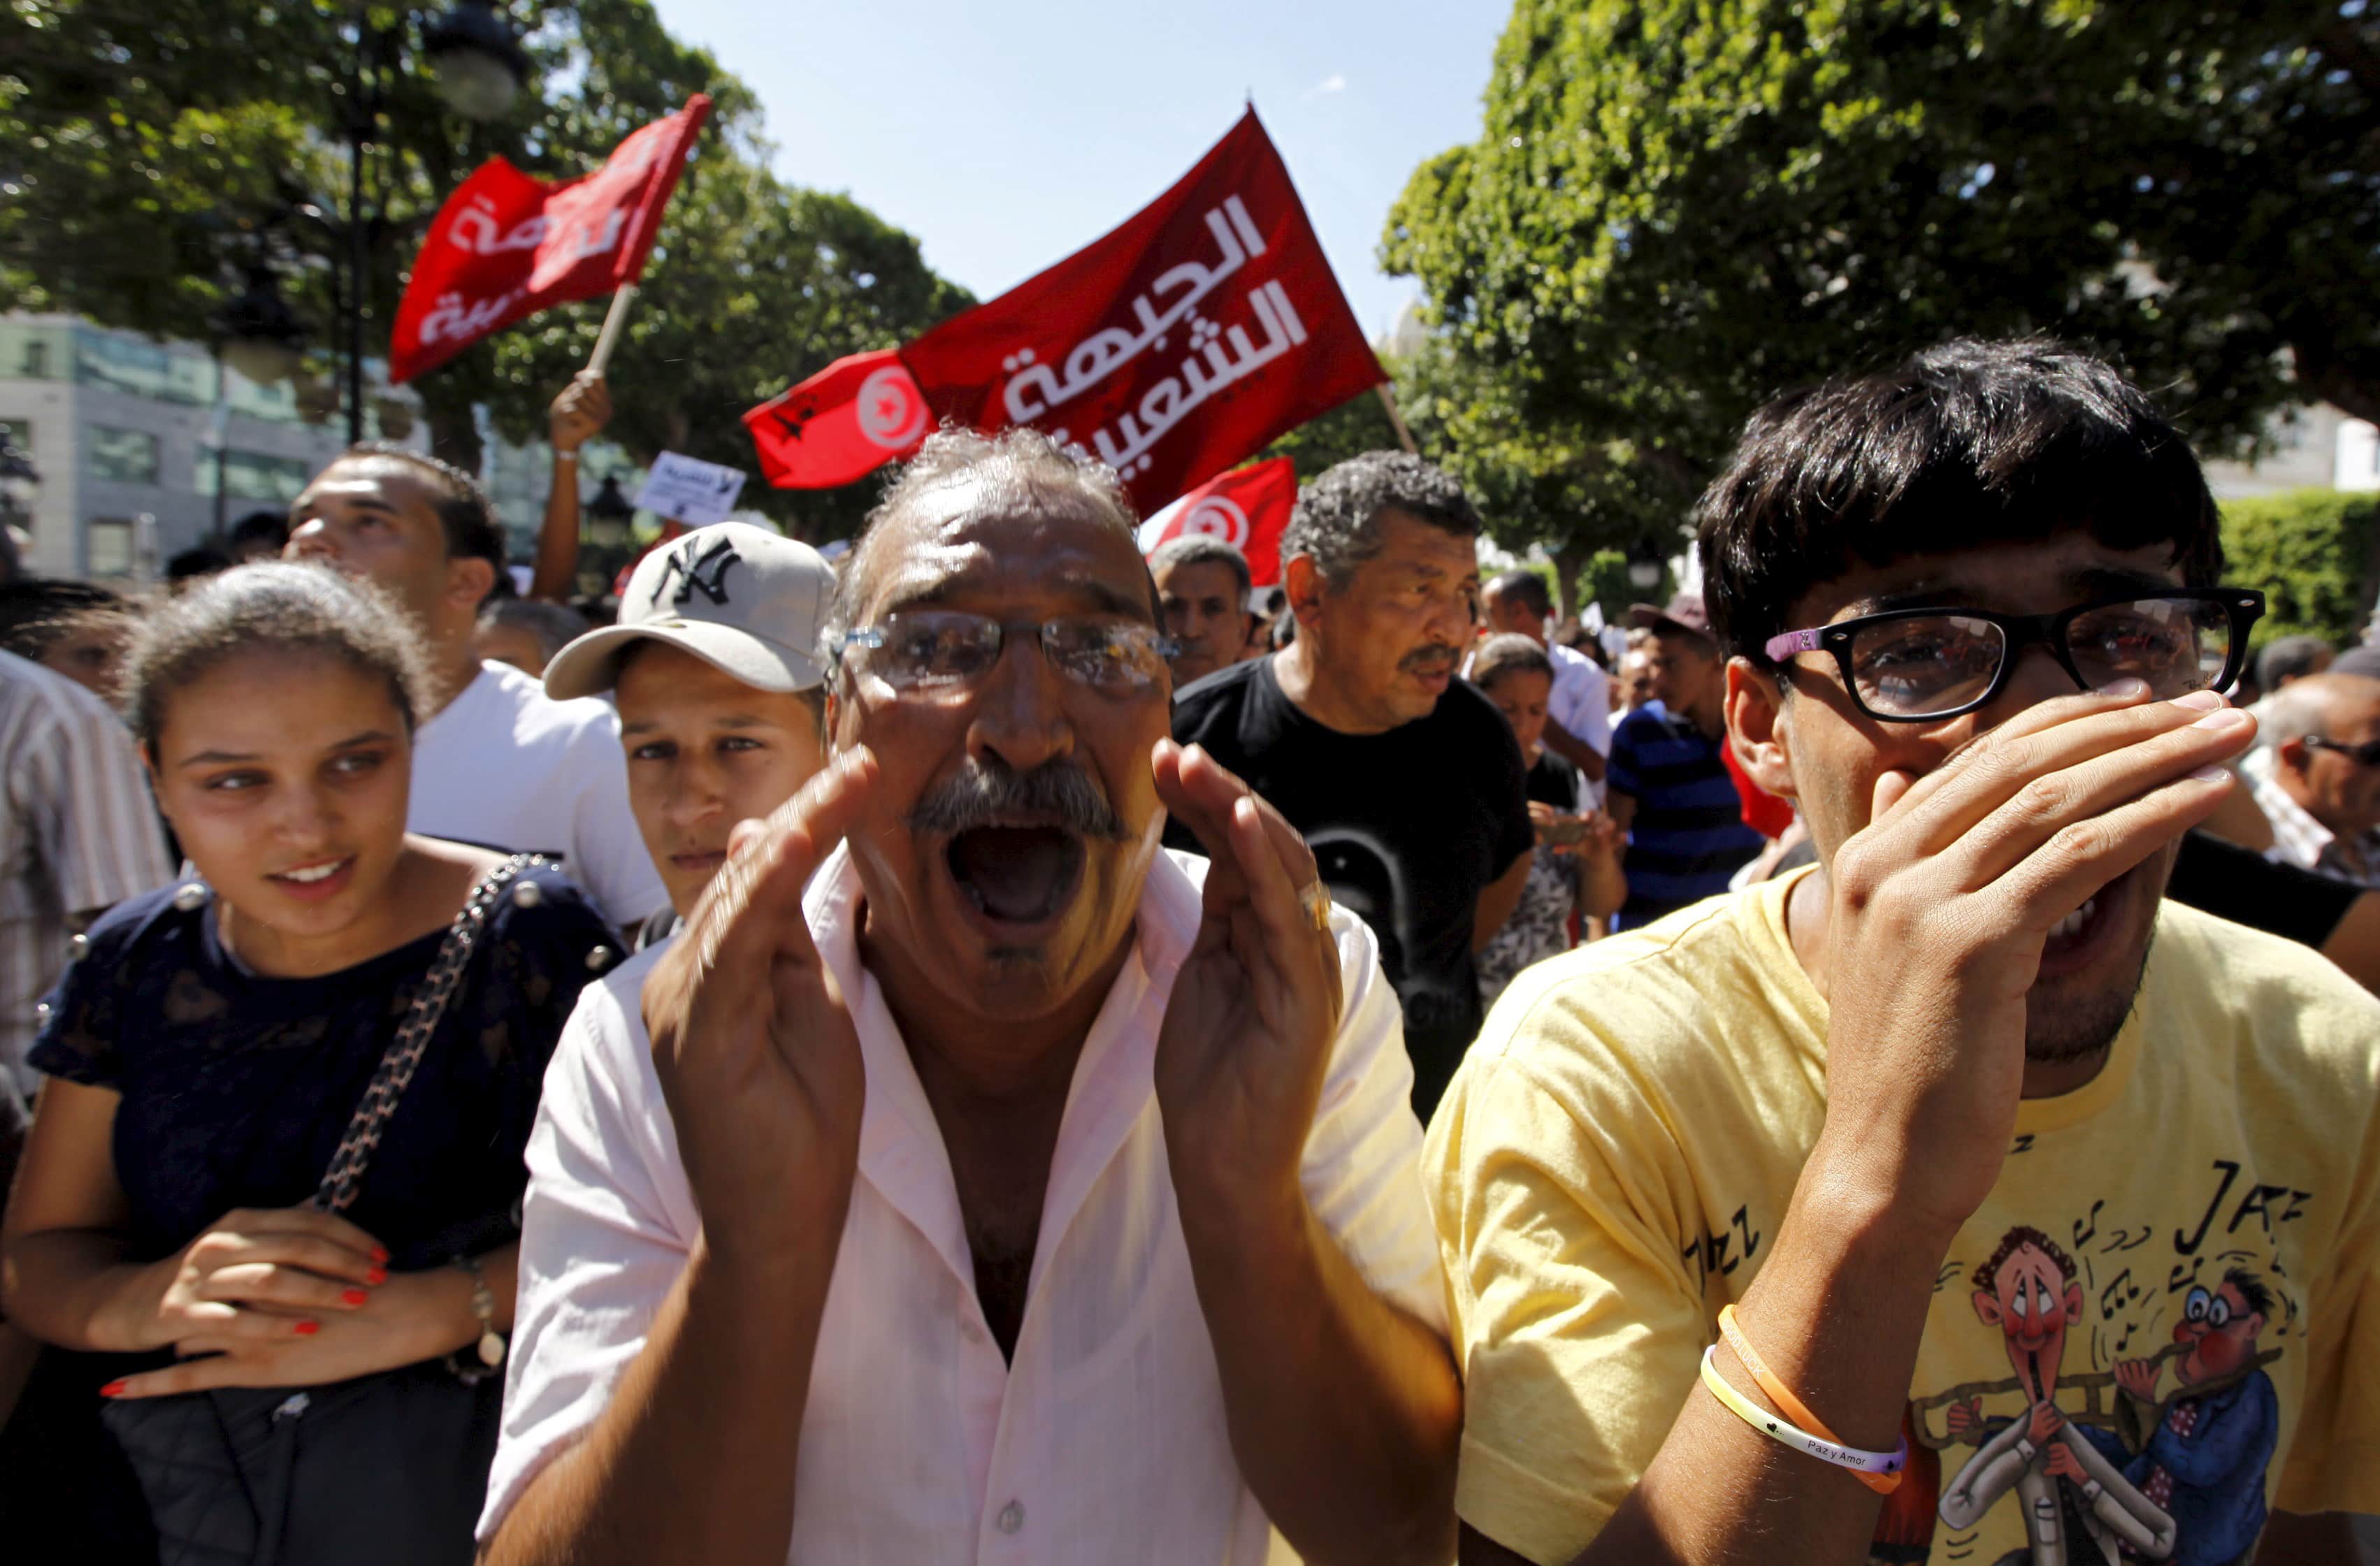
x=308 y=1328
x=353 y=1296
x=379 y=1254
x=376 y=1277
x=112 y=1389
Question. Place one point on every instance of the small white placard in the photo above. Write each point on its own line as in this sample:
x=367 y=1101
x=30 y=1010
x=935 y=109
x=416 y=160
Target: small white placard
x=697 y=494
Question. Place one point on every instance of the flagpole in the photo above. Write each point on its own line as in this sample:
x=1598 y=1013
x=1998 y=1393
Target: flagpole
x=618 y=315
x=1389 y=401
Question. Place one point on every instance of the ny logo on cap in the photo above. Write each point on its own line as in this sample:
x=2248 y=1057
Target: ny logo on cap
x=705 y=573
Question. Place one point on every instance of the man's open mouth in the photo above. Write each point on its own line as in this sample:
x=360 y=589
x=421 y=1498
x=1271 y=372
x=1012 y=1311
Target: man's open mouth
x=1017 y=874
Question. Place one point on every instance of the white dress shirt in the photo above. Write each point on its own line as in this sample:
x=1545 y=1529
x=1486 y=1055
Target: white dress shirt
x=1105 y=1441
x=505 y=766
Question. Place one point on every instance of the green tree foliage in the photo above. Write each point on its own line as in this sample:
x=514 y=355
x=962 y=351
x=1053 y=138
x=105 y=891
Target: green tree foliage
x=2313 y=552
x=155 y=147
x=1680 y=207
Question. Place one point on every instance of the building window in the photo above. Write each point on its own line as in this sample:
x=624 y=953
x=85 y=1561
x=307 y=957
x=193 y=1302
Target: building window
x=109 y=542
x=126 y=456
x=249 y=475
x=144 y=368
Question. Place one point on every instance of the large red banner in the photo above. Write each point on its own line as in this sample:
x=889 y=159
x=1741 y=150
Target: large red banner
x=507 y=244
x=1208 y=323
x=1247 y=508
x=1186 y=339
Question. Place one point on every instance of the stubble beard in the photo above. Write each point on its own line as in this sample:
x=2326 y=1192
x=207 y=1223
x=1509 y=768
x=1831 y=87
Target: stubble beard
x=2058 y=1031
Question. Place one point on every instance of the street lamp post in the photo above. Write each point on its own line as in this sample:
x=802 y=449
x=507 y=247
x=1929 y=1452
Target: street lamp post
x=609 y=540
x=480 y=69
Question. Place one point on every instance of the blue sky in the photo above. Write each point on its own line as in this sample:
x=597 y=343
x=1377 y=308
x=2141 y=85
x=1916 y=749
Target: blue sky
x=1006 y=136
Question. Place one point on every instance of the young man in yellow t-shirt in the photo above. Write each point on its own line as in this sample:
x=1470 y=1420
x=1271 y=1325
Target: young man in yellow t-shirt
x=1991 y=1148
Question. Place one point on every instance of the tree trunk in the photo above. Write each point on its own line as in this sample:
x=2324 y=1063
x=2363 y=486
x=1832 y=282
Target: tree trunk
x=1569 y=562
x=454 y=432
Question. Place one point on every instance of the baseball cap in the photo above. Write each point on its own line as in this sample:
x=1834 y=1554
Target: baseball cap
x=1686 y=614
x=747 y=601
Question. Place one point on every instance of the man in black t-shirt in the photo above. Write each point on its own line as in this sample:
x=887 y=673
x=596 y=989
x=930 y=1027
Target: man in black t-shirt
x=1406 y=780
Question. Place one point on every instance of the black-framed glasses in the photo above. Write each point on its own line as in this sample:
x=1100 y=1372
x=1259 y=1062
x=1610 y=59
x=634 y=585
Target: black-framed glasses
x=1918 y=665
x=2364 y=755
x=940 y=652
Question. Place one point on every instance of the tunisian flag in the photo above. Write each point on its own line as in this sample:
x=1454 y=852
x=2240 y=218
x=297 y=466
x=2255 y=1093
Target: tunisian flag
x=1247 y=508
x=841 y=424
x=1206 y=325
x=505 y=245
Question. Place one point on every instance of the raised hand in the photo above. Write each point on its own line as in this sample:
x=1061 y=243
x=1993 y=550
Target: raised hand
x=1245 y=1042
x=752 y=1040
x=2138 y=1377
x=579 y=412
x=1940 y=910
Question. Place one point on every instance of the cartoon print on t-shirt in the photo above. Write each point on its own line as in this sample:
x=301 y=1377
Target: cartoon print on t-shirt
x=2067 y=1477
x=2203 y=1457
x=2189 y=1455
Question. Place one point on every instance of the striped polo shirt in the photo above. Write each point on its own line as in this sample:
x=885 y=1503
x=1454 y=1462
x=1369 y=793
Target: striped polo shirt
x=79 y=834
x=1688 y=836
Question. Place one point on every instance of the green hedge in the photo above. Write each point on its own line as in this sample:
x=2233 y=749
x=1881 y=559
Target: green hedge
x=2312 y=550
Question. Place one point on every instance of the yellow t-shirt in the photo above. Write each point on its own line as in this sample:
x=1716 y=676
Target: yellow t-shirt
x=1612 y=1164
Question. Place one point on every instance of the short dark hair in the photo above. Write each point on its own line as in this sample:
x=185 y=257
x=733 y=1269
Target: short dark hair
x=1336 y=520
x=1198 y=549
x=1510 y=653
x=261 y=526
x=36 y=611
x=554 y=625
x=1525 y=587
x=1025 y=467
x=2252 y=1291
x=2288 y=658
x=1988 y=1276
x=1967 y=444
x=275 y=606
x=464 y=509
x=199 y=560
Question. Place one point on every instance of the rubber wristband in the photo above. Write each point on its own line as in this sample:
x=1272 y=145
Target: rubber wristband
x=1880 y=1471
x=565 y=456
x=1782 y=1395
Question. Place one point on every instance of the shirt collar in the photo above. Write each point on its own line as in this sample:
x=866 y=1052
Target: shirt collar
x=901 y=1149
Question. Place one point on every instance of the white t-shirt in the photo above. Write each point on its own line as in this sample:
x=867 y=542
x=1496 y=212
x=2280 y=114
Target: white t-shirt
x=505 y=766
x=1105 y=1441
x=1581 y=702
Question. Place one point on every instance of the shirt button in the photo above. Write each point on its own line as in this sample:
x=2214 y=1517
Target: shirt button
x=1012 y=1517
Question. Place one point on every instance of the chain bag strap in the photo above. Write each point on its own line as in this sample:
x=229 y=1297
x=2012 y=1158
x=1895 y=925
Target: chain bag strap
x=396 y=1067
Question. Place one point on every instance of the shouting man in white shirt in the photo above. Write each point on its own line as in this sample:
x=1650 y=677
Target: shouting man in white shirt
x=1022 y=1192
x=496 y=762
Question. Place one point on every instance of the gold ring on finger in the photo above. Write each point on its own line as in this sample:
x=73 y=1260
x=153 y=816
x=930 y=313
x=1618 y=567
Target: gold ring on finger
x=1315 y=898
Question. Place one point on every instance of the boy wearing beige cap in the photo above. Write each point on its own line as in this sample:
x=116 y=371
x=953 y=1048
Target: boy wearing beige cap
x=716 y=669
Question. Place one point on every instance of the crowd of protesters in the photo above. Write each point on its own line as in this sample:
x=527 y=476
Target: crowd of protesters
x=997 y=1048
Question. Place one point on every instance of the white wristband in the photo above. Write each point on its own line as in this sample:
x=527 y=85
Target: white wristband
x=1776 y=1427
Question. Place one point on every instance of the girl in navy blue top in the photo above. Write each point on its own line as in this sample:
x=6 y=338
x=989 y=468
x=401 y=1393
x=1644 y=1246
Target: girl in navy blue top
x=211 y=1043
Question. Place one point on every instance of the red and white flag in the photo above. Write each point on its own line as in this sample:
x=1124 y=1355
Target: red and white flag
x=505 y=245
x=1247 y=508
x=841 y=424
x=1208 y=323
x=1185 y=340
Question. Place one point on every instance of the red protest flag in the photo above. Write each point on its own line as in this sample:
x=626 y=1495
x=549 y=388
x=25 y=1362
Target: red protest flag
x=1247 y=508
x=841 y=424
x=1206 y=324
x=505 y=245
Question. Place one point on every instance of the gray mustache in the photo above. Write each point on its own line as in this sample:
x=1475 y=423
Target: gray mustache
x=982 y=796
